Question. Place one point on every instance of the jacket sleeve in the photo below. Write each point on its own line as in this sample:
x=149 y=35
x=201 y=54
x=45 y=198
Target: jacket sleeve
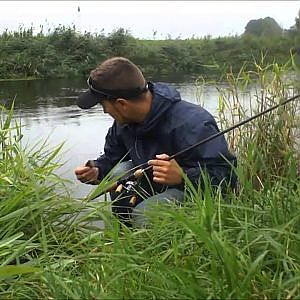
x=212 y=158
x=114 y=151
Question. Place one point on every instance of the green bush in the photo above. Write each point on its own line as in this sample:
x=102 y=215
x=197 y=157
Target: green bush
x=64 y=52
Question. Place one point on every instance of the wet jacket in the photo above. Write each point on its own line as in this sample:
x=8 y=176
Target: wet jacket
x=171 y=125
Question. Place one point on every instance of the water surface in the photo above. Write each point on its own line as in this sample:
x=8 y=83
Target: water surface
x=47 y=109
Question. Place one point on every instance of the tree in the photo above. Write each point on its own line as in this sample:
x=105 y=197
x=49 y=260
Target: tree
x=296 y=28
x=266 y=27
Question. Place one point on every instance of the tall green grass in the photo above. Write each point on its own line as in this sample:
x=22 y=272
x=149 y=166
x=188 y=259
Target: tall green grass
x=242 y=247
x=37 y=216
x=267 y=146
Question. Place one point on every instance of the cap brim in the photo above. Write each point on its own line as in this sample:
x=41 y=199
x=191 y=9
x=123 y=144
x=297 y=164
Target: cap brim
x=87 y=100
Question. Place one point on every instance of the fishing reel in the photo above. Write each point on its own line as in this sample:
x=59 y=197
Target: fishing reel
x=128 y=188
x=127 y=185
x=138 y=184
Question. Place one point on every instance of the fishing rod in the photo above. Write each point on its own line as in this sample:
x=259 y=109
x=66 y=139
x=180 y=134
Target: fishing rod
x=131 y=178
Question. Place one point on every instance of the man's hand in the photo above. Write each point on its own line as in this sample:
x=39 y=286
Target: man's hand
x=165 y=171
x=87 y=174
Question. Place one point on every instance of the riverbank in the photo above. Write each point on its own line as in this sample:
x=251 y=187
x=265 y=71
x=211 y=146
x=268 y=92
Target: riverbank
x=66 y=53
x=19 y=79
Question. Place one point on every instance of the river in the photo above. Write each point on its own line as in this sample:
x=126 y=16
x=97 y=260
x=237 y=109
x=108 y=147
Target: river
x=47 y=109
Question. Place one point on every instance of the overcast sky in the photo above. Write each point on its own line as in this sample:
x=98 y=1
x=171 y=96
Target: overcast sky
x=142 y=18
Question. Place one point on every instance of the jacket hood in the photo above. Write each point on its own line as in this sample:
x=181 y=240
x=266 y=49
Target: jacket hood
x=164 y=96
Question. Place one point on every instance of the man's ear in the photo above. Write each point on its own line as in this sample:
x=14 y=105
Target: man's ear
x=122 y=104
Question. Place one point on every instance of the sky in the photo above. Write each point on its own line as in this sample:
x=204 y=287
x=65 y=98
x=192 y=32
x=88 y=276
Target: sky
x=147 y=19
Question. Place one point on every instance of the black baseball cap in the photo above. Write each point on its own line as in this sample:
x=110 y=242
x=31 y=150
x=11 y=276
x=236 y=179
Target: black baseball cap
x=93 y=96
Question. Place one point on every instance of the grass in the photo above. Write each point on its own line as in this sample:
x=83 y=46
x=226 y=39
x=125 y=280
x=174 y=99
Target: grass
x=244 y=246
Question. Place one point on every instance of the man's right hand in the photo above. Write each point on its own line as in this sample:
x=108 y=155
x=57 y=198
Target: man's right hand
x=87 y=174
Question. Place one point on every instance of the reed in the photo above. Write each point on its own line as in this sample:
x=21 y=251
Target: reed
x=267 y=146
x=37 y=215
x=242 y=247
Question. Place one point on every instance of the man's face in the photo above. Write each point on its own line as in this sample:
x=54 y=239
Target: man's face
x=117 y=110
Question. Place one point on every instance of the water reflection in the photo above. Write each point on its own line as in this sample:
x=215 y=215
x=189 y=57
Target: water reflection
x=34 y=93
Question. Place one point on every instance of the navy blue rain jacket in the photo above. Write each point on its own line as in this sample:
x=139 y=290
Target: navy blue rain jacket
x=171 y=125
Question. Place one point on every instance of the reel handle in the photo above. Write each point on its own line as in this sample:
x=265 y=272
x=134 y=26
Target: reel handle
x=119 y=188
x=132 y=200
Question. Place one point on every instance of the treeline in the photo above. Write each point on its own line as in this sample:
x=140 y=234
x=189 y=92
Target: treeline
x=64 y=52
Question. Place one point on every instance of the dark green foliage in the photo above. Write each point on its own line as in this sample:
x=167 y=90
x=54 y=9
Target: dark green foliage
x=266 y=27
x=296 y=28
x=120 y=43
x=64 y=52
x=61 y=53
x=294 y=35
